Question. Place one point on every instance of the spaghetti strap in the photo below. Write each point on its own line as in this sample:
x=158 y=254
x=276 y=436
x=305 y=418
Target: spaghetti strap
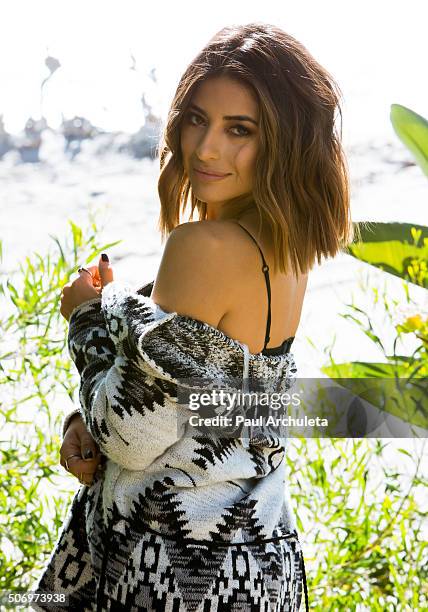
x=265 y=270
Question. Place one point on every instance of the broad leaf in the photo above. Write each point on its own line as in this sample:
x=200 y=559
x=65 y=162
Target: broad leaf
x=412 y=129
x=398 y=248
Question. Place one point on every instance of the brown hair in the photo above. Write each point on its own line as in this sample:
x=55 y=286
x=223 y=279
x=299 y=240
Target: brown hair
x=301 y=188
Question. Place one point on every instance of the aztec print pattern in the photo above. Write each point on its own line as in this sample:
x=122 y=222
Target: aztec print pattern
x=176 y=522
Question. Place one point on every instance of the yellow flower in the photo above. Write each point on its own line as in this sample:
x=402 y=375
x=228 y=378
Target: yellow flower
x=414 y=323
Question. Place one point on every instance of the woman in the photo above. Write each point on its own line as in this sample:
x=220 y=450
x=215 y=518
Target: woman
x=183 y=521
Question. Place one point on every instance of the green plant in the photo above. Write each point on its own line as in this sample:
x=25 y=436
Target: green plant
x=37 y=385
x=361 y=523
x=400 y=249
x=369 y=543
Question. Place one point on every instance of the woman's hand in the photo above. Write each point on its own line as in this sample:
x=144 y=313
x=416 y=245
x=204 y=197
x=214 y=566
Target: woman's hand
x=87 y=286
x=80 y=451
x=80 y=454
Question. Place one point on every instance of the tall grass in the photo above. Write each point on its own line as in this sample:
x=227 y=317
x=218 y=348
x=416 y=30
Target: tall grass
x=361 y=523
x=37 y=387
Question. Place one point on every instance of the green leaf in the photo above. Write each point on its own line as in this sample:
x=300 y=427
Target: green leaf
x=393 y=247
x=387 y=386
x=101 y=249
x=412 y=130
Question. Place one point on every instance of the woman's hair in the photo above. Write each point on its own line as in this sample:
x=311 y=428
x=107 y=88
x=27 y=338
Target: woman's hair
x=301 y=188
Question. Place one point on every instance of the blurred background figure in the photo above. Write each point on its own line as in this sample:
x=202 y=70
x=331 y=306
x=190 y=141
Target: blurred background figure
x=28 y=142
x=75 y=131
x=5 y=139
x=144 y=142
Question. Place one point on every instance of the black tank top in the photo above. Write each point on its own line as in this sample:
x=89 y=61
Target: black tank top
x=285 y=346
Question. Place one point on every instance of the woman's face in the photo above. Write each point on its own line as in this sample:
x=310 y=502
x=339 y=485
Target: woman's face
x=220 y=135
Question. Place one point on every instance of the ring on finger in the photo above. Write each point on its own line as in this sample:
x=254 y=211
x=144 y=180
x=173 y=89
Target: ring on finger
x=83 y=482
x=84 y=270
x=66 y=461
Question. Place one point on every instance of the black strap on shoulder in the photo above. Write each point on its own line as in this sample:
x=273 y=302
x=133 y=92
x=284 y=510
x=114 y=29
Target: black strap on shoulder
x=265 y=270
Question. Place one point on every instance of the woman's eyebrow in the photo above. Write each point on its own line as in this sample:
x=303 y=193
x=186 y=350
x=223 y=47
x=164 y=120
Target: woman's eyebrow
x=227 y=117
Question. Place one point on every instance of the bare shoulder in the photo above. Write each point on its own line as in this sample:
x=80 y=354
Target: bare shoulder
x=194 y=277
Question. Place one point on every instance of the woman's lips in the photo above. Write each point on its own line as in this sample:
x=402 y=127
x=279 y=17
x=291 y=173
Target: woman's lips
x=209 y=177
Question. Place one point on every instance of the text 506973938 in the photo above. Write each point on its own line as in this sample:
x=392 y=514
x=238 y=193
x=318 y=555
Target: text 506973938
x=16 y=599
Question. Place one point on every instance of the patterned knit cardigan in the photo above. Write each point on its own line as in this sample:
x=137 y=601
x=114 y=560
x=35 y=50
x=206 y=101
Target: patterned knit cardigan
x=132 y=358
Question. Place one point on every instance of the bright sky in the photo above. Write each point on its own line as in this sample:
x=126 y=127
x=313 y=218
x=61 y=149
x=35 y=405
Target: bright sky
x=374 y=49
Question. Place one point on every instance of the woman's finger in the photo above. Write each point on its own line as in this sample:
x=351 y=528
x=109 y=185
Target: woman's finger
x=105 y=270
x=95 y=273
x=84 y=275
x=89 y=274
x=71 y=452
x=77 y=465
x=85 y=478
x=69 y=461
x=88 y=448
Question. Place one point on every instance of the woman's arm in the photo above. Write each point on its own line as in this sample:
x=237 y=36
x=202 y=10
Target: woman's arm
x=96 y=349
x=122 y=404
x=144 y=290
x=126 y=404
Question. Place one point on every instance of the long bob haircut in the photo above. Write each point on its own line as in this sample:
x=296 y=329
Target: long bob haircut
x=301 y=188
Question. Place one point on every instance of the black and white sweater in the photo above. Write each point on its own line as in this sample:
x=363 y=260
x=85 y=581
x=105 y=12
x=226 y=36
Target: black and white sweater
x=133 y=358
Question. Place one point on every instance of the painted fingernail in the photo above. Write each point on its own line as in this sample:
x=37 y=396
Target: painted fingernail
x=104 y=257
x=88 y=454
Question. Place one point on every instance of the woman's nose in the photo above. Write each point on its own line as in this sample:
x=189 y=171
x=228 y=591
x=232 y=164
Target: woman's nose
x=209 y=146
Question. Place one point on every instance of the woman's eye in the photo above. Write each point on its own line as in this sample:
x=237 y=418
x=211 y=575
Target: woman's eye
x=243 y=129
x=191 y=115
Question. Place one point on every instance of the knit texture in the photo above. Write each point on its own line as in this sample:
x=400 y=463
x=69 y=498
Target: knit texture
x=162 y=487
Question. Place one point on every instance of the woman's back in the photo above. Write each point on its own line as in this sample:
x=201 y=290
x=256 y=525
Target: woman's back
x=247 y=320
x=234 y=295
